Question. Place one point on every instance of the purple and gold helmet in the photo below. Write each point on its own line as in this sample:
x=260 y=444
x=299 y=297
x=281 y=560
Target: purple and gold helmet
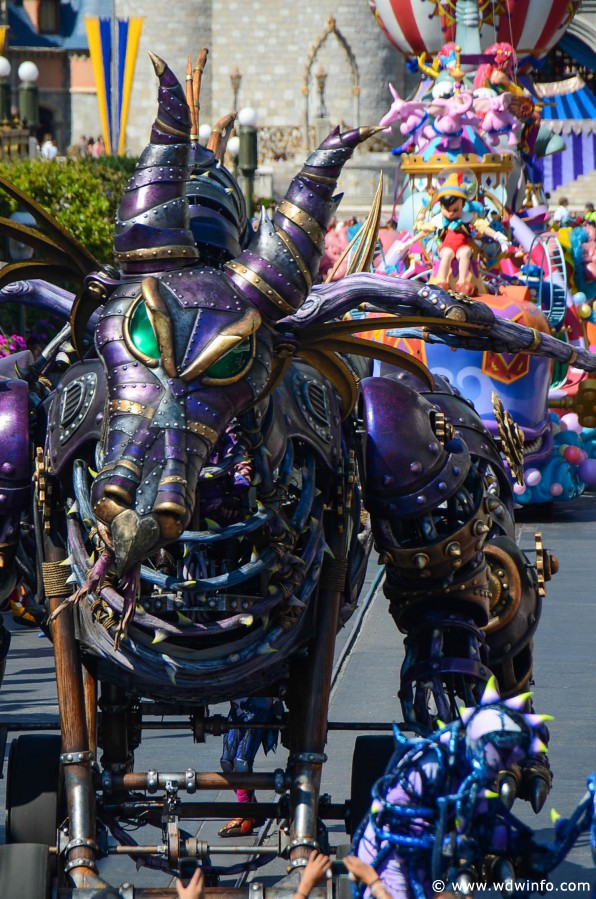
x=217 y=209
x=498 y=732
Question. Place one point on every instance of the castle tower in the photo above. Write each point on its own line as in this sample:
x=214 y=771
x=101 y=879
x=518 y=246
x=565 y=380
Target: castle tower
x=278 y=48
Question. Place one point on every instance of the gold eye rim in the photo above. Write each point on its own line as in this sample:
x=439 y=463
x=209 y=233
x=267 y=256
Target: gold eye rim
x=150 y=361
x=223 y=382
x=160 y=321
x=216 y=349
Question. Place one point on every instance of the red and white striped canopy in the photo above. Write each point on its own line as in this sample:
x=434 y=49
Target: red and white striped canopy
x=530 y=26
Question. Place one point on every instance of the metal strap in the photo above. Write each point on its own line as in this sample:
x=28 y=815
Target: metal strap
x=264 y=288
x=305 y=222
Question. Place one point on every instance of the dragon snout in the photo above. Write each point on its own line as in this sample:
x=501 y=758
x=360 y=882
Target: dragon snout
x=139 y=520
x=133 y=538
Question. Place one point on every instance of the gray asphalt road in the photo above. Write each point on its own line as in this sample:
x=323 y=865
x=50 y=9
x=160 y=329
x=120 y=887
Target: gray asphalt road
x=366 y=690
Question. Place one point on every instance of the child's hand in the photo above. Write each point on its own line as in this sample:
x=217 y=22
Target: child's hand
x=194 y=890
x=316 y=868
x=360 y=871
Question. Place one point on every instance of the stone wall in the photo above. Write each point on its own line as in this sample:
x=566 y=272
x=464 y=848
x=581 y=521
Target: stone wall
x=270 y=43
x=173 y=31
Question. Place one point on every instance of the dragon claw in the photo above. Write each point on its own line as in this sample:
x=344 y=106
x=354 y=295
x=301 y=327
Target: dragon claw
x=508 y=789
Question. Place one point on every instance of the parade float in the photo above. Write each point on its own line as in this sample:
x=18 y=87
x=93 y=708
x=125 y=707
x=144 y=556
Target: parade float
x=211 y=462
x=473 y=217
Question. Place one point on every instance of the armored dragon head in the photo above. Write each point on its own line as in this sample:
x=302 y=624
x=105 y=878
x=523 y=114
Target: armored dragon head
x=187 y=347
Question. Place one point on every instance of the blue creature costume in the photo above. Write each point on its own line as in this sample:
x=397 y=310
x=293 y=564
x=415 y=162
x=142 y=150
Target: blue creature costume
x=436 y=814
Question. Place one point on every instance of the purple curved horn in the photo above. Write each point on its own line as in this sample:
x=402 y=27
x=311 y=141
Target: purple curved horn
x=152 y=223
x=277 y=269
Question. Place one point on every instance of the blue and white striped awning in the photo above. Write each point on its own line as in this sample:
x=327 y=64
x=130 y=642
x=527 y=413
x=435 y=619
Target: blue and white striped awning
x=569 y=106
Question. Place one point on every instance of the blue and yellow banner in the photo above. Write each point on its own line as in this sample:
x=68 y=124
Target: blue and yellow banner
x=101 y=40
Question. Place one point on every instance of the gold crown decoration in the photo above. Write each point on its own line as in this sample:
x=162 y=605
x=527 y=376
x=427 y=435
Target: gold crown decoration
x=497 y=163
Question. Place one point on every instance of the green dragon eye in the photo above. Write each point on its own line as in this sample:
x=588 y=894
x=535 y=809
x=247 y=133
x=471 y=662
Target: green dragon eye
x=142 y=333
x=232 y=363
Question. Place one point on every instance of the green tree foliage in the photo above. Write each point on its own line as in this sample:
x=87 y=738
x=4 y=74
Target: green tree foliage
x=83 y=195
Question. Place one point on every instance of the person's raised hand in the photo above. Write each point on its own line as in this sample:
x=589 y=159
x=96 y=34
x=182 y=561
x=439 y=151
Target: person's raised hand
x=360 y=871
x=195 y=888
x=317 y=866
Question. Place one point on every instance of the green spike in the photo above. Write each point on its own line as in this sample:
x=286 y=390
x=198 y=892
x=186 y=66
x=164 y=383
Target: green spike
x=66 y=562
x=490 y=794
x=187 y=584
x=92 y=473
x=554 y=816
x=160 y=636
x=329 y=551
x=74 y=509
x=212 y=525
x=440 y=724
x=247 y=620
x=182 y=619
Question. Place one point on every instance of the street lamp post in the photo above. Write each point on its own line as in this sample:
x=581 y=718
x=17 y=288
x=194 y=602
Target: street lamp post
x=235 y=80
x=204 y=134
x=28 y=94
x=248 y=154
x=5 y=68
x=233 y=150
x=321 y=77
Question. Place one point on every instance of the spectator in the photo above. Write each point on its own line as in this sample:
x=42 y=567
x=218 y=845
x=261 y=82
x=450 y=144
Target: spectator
x=366 y=874
x=49 y=150
x=99 y=148
x=589 y=213
x=82 y=146
x=314 y=871
x=562 y=214
x=90 y=146
x=195 y=888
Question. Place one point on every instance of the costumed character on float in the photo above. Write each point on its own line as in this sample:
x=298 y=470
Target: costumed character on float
x=436 y=818
x=470 y=120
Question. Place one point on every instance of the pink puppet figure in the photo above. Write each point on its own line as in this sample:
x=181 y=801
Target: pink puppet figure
x=410 y=113
x=450 y=116
x=496 y=118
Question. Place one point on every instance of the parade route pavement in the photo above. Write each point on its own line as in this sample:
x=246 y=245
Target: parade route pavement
x=365 y=689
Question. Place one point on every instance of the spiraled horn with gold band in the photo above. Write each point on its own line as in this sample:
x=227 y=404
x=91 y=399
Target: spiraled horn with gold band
x=152 y=224
x=277 y=269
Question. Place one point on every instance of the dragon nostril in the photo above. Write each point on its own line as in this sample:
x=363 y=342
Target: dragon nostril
x=170 y=523
x=107 y=508
x=119 y=494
